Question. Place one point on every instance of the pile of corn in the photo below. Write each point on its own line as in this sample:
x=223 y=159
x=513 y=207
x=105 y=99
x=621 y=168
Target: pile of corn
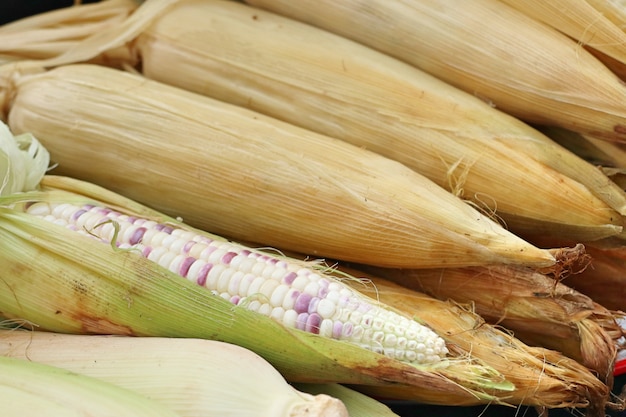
x=295 y=208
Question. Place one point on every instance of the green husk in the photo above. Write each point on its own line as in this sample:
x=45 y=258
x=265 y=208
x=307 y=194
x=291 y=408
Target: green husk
x=80 y=286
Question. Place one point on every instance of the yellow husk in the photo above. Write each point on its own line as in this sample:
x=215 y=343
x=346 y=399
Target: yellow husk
x=366 y=98
x=48 y=34
x=239 y=174
x=537 y=309
x=487 y=48
x=581 y=21
x=67 y=283
x=542 y=377
x=378 y=103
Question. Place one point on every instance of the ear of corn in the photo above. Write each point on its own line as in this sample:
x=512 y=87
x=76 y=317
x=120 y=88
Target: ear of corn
x=539 y=310
x=35 y=389
x=82 y=285
x=348 y=91
x=522 y=66
x=192 y=377
x=456 y=140
x=269 y=181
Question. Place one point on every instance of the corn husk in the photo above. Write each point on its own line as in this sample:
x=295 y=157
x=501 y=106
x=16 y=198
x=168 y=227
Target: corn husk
x=453 y=138
x=358 y=404
x=542 y=377
x=536 y=308
x=443 y=133
x=239 y=174
x=51 y=33
x=518 y=64
x=580 y=20
x=66 y=283
x=33 y=389
x=192 y=377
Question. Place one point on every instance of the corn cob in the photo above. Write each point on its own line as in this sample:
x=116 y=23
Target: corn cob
x=518 y=64
x=192 y=377
x=271 y=182
x=117 y=291
x=542 y=377
x=477 y=162
x=539 y=310
x=33 y=389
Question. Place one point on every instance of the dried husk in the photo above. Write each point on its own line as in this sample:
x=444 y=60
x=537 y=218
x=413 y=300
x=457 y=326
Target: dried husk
x=49 y=34
x=351 y=92
x=62 y=282
x=581 y=21
x=519 y=64
x=348 y=91
x=240 y=174
x=536 y=308
x=542 y=377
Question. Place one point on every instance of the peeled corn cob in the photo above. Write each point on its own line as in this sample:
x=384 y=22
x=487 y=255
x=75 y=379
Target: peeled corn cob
x=522 y=66
x=192 y=377
x=271 y=182
x=33 y=389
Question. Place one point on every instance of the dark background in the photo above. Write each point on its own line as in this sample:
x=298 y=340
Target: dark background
x=11 y=10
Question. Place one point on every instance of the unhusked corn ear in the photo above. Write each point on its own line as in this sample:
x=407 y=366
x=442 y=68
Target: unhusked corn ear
x=518 y=64
x=25 y=385
x=296 y=296
x=192 y=377
x=70 y=283
x=270 y=182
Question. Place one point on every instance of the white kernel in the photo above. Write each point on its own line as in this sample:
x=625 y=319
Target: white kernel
x=178 y=245
x=278 y=295
x=300 y=283
x=57 y=210
x=411 y=345
x=168 y=240
x=277 y=313
x=258 y=268
x=268 y=287
x=156 y=254
x=235 y=282
x=224 y=280
x=378 y=337
x=39 y=209
x=196 y=250
x=268 y=271
x=326 y=308
x=253 y=305
x=255 y=286
x=60 y=222
x=326 y=328
x=289 y=300
x=166 y=260
x=175 y=264
x=265 y=309
x=194 y=269
x=216 y=256
x=290 y=318
x=312 y=288
x=410 y=356
x=156 y=240
x=214 y=275
x=390 y=340
x=245 y=284
x=278 y=273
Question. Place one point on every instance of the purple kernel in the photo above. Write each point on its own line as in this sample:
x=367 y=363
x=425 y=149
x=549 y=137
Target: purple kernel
x=301 y=321
x=228 y=256
x=245 y=252
x=79 y=213
x=202 y=274
x=131 y=219
x=302 y=303
x=188 y=246
x=185 y=265
x=313 y=323
x=235 y=299
x=313 y=305
x=159 y=226
x=337 y=329
x=348 y=328
x=168 y=229
x=289 y=278
x=146 y=251
x=137 y=235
